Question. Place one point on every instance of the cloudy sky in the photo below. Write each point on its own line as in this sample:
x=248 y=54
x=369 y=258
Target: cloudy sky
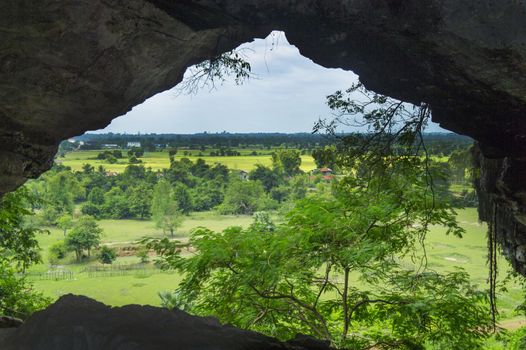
x=286 y=94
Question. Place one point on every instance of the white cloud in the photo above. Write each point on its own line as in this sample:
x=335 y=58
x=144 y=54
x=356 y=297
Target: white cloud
x=287 y=95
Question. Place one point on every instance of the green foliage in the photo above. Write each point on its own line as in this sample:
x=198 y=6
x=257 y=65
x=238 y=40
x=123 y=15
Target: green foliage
x=107 y=255
x=139 y=200
x=17 y=296
x=296 y=279
x=268 y=177
x=143 y=254
x=136 y=152
x=134 y=160
x=301 y=276
x=216 y=70
x=18 y=244
x=85 y=235
x=18 y=250
x=182 y=197
x=61 y=191
x=245 y=197
x=517 y=340
x=116 y=204
x=325 y=157
x=169 y=300
x=57 y=251
x=165 y=210
x=460 y=164
x=287 y=161
x=96 y=196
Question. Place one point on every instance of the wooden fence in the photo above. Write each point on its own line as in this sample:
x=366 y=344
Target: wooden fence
x=57 y=275
x=98 y=271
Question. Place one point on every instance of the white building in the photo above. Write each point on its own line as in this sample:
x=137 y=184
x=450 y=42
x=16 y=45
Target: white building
x=133 y=144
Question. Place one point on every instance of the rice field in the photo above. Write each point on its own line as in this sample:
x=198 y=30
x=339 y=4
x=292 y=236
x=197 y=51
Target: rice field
x=160 y=160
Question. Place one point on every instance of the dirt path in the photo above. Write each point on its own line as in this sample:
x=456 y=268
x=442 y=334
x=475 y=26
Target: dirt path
x=513 y=324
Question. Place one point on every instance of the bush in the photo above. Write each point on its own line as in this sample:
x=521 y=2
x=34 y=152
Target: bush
x=17 y=296
x=107 y=255
x=91 y=209
x=143 y=254
x=246 y=197
x=134 y=160
x=517 y=340
x=57 y=251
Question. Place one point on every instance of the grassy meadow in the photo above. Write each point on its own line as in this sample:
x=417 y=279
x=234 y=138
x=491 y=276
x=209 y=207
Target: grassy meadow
x=140 y=287
x=160 y=160
x=445 y=253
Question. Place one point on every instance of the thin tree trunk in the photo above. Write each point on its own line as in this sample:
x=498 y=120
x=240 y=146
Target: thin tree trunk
x=346 y=319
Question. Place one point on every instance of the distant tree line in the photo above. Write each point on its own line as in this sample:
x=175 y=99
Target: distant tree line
x=443 y=143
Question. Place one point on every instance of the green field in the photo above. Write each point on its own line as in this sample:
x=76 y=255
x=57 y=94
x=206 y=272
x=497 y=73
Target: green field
x=134 y=288
x=160 y=160
x=445 y=253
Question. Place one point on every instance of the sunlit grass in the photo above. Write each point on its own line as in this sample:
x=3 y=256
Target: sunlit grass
x=160 y=160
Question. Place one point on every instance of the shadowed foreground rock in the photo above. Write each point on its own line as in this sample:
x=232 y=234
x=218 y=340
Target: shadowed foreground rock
x=80 y=323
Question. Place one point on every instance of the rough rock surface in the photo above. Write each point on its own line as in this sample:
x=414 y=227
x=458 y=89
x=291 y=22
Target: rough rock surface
x=80 y=323
x=70 y=67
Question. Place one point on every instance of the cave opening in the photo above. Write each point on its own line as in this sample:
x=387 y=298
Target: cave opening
x=69 y=68
x=113 y=176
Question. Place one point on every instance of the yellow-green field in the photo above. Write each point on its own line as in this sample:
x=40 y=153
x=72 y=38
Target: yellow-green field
x=160 y=160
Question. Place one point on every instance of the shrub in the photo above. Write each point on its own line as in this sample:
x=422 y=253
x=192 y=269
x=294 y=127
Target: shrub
x=517 y=340
x=142 y=254
x=107 y=255
x=17 y=296
x=57 y=251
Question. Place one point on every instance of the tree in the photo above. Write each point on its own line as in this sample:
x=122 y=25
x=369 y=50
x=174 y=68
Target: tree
x=182 y=197
x=107 y=255
x=18 y=243
x=287 y=161
x=298 y=277
x=268 y=177
x=325 y=157
x=18 y=250
x=65 y=222
x=85 y=235
x=18 y=297
x=62 y=189
x=207 y=195
x=215 y=70
x=460 y=161
x=116 y=204
x=134 y=160
x=139 y=199
x=165 y=211
x=87 y=168
x=136 y=151
x=245 y=197
x=96 y=196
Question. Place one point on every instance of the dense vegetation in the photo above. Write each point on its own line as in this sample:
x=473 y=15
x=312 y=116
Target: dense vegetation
x=298 y=244
x=438 y=143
